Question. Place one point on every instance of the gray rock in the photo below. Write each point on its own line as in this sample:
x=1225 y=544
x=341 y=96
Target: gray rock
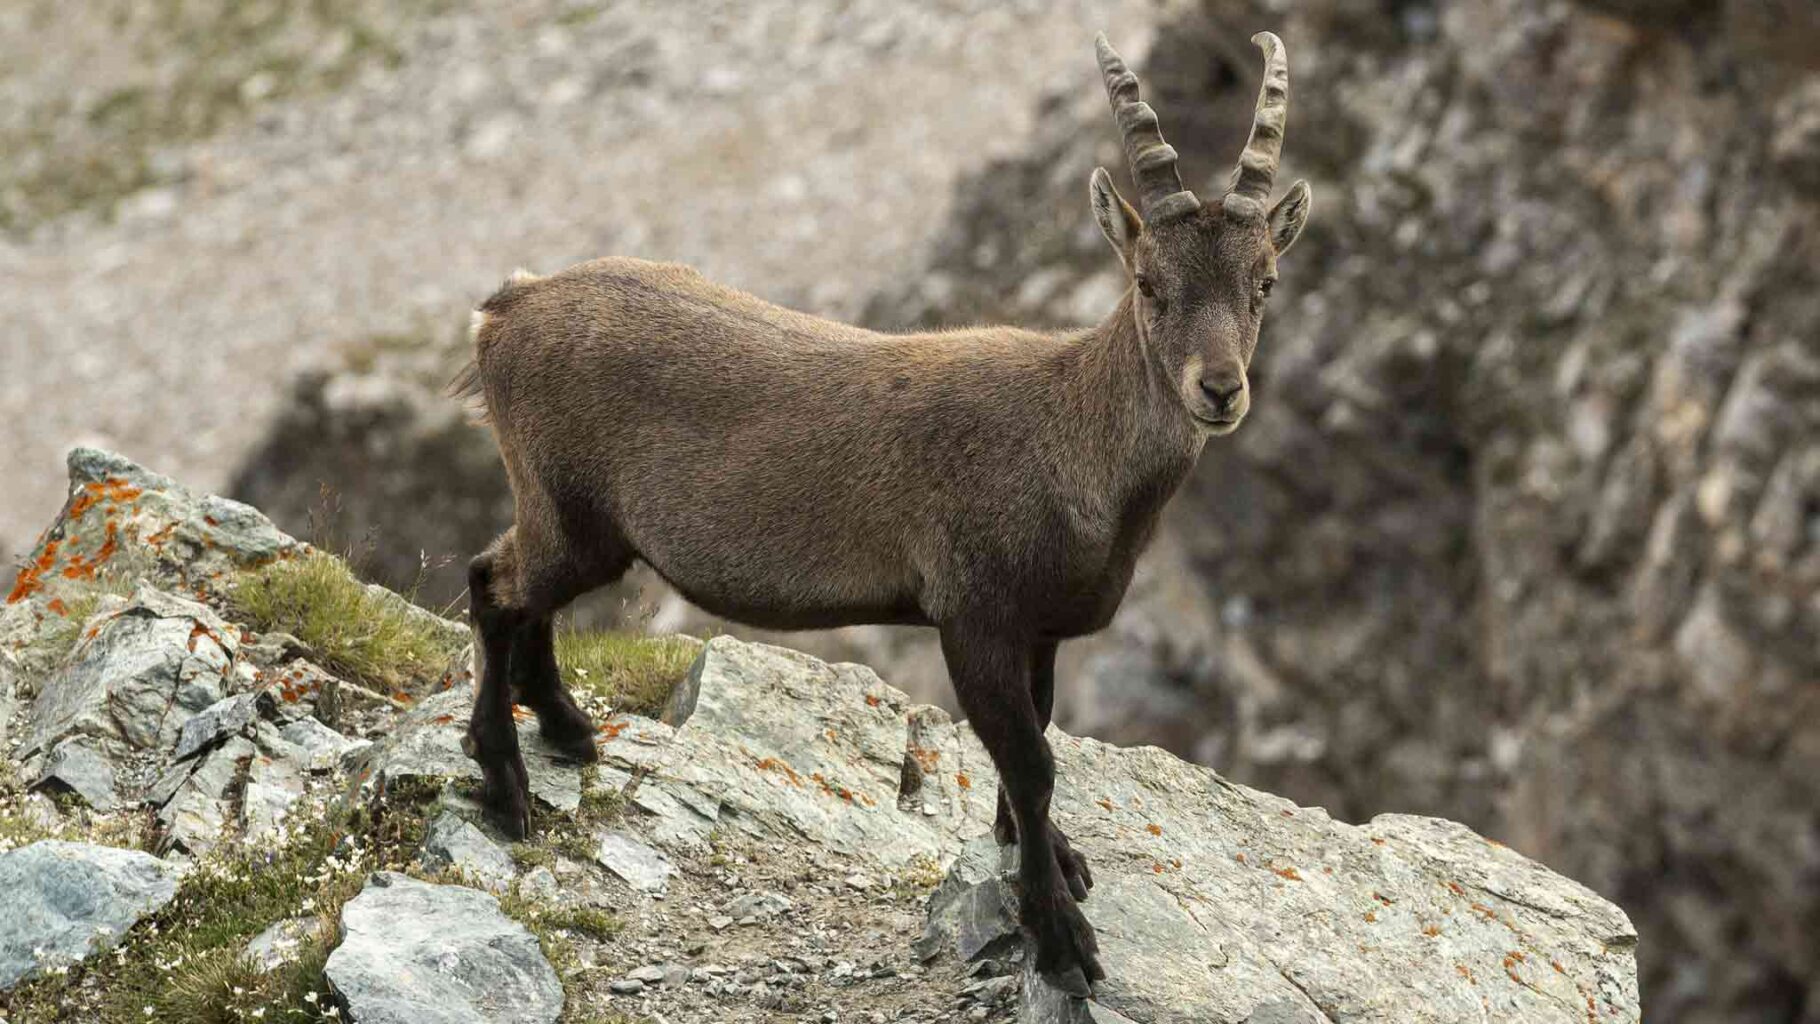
x=650 y=974
x=639 y=865
x=426 y=743
x=416 y=953
x=1213 y=901
x=199 y=809
x=284 y=942
x=541 y=882
x=970 y=912
x=273 y=786
x=793 y=746
x=324 y=749
x=453 y=842
x=147 y=669
x=224 y=717
x=626 y=986
x=81 y=766
x=760 y=905
x=1294 y=916
x=67 y=901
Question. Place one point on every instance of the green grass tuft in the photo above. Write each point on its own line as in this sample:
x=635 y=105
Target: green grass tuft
x=365 y=635
x=630 y=671
x=591 y=921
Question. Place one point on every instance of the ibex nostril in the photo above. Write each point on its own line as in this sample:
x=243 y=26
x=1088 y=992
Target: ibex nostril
x=1222 y=390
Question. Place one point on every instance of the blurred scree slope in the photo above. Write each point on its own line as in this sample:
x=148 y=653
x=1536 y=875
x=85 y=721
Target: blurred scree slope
x=1524 y=529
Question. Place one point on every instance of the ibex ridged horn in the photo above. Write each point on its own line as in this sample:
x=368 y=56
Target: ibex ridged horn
x=1160 y=192
x=1257 y=169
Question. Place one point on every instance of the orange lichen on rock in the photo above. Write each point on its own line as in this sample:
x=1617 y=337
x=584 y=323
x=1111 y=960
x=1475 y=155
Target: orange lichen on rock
x=1290 y=873
x=925 y=758
x=81 y=568
x=1154 y=829
x=1105 y=803
x=56 y=607
x=112 y=490
x=1431 y=930
x=772 y=764
x=32 y=576
x=1454 y=887
x=961 y=780
x=872 y=700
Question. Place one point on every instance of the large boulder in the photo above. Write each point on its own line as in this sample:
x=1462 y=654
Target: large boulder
x=1214 y=902
x=67 y=901
x=412 y=952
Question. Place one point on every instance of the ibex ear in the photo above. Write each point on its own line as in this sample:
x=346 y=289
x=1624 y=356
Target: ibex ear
x=1290 y=214
x=1117 y=219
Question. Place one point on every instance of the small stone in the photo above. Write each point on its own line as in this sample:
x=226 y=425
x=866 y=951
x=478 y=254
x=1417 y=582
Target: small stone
x=282 y=943
x=225 y=717
x=650 y=974
x=639 y=865
x=78 y=765
x=626 y=987
x=719 y=922
x=454 y=843
x=859 y=882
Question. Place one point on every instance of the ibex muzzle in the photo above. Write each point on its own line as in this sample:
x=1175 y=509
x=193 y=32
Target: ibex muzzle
x=792 y=472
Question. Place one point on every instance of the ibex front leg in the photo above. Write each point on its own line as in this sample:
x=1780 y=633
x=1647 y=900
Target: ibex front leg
x=1004 y=827
x=991 y=676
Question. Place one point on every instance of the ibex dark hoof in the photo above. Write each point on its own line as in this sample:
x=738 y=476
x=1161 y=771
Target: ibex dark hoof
x=568 y=730
x=1067 y=951
x=506 y=784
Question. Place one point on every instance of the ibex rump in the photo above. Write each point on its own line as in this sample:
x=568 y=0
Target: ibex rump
x=791 y=472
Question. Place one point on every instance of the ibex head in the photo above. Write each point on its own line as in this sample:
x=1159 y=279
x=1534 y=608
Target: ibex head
x=1202 y=271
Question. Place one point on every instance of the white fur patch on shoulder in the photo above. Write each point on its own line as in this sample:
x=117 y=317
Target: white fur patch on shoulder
x=521 y=276
x=476 y=320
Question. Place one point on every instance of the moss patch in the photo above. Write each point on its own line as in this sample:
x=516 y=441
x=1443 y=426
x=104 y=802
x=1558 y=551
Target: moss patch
x=363 y=634
x=630 y=671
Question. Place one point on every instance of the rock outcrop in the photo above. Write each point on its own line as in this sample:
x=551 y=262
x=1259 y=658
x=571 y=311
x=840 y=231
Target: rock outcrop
x=805 y=821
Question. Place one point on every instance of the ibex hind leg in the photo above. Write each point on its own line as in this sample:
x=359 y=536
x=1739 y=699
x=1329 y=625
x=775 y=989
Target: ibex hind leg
x=514 y=588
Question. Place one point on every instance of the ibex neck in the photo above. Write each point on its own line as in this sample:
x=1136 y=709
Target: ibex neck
x=1129 y=415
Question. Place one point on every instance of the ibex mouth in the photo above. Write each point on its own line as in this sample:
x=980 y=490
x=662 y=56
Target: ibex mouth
x=1220 y=425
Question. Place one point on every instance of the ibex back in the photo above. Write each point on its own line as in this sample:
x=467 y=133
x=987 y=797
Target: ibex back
x=791 y=472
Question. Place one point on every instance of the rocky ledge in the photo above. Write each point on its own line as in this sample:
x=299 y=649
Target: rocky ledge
x=777 y=838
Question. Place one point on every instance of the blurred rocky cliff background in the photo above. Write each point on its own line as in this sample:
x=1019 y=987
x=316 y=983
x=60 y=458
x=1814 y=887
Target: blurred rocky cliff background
x=1524 y=529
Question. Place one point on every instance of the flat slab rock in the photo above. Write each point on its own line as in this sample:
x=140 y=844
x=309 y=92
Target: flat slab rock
x=66 y=902
x=1218 y=903
x=1214 y=902
x=413 y=952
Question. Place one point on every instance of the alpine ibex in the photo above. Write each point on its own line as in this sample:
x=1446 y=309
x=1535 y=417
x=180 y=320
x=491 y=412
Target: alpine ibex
x=792 y=473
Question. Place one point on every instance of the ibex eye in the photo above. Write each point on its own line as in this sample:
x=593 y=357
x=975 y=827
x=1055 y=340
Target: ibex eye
x=1144 y=287
x=1265 y=285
